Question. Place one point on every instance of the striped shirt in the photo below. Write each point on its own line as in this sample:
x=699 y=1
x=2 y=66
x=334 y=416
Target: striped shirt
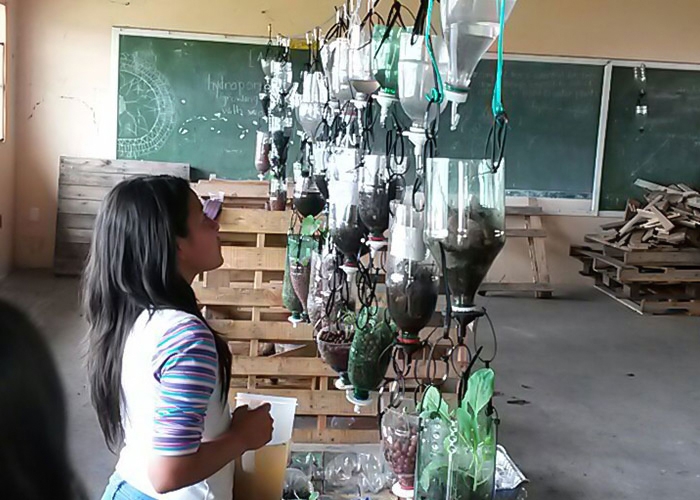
x=185 y=366
x=171 y=400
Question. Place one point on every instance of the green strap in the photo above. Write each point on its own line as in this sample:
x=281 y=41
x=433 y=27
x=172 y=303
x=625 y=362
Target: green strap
x=497 y=101
x=436 y=94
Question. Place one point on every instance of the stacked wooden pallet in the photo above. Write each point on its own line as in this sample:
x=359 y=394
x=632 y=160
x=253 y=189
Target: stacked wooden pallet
x=650 y=260
x=82 y=185
x=243 y=301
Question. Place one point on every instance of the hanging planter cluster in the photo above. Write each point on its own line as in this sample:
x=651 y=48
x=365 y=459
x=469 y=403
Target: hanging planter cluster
x=361 y=220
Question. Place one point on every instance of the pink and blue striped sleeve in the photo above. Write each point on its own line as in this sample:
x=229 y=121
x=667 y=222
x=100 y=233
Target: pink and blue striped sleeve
x=185 y=366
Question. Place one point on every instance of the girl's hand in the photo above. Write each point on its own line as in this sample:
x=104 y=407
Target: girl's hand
x=253 y=428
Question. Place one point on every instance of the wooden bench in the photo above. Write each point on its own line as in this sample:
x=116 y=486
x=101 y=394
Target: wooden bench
x=533 y=230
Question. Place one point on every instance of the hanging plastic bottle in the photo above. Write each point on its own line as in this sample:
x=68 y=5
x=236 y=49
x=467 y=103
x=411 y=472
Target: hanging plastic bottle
x=374 y=199
x=416 y=82
x=370 y=354
x=360 y=68
x=470 y=28
x=465 y=223
x=344 y=222
x=412 y=278
x=385 y=66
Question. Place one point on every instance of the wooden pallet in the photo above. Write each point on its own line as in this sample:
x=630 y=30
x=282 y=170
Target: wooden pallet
x=660 y=256
x=243 y=301
x=531 y=220
x=238 y=194
x=641 y=289
x=628 y=274
x=82 y=185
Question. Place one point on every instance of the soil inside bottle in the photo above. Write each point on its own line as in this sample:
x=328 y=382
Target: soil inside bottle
x=469 y=258
x=300 y=276
x=374 y=210
x=262 y=165
x=322 y=184
x=412 y=301
x=309 y=203
x=335 y=355
x=348 y=239
x=278 y=202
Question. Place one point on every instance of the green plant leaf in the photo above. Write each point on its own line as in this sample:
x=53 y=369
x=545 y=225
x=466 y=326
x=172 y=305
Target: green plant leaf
x=435 y=469
x=310 y=225
x=433 y=404
x=479 y=390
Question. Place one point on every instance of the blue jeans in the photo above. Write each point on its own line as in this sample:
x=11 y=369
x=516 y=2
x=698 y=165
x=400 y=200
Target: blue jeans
x=118 y=489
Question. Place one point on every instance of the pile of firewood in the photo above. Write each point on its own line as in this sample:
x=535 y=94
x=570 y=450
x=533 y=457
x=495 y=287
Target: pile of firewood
x=669 y=217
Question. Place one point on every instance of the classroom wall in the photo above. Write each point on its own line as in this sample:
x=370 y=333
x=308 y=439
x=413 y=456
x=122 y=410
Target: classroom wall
x=7 y=153
x=63 y=105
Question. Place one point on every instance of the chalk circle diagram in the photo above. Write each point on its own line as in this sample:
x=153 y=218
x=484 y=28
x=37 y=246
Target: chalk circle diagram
x=147 y=113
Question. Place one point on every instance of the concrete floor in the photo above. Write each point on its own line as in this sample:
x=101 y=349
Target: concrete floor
x=597 y=402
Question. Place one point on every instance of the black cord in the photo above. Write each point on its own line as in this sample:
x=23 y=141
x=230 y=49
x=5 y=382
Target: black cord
x=448 y=300
x=496 y=141
x=493 y=334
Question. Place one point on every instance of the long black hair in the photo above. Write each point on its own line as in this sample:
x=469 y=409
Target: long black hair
x=33 y=444
x=132 y=267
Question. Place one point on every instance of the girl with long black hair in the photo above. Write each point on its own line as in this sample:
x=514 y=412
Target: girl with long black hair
x=159 y=376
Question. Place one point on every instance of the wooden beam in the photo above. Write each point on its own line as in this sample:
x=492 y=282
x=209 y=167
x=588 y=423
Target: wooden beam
x=73 y=235
x=242 y=366
x=526 y=233
x=127 y=167
x=75 y=221
x=530 y=210
x=74 y=192
x=241 y=220
x=81 y=207
x=312 y=402
x=235 y=189
x=336 y=436
x=266 y=331
x=515 y=287
x=238 y=297
x=253 y=259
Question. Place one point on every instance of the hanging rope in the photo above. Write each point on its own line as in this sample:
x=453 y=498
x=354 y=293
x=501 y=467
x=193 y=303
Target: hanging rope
x=496 y=141
x=437 y=94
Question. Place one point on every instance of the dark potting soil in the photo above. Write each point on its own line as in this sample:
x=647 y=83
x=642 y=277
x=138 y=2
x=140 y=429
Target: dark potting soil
x=469 y=257
x=280 y=142
x=289 y=297
x=348 y=239
x=467 y=268
x=278 y=203
x=322 y=185
x=262 y=163
x=374 y=210
x=335 y=355
x=309 y=204
x=301 y=277
x=412 y=301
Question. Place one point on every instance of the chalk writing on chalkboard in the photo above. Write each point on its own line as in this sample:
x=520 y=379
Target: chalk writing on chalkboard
x=147 y=114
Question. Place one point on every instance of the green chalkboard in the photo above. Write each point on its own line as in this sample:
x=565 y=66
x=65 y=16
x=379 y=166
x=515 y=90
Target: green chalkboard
x=196 y=102
x=191 y=101
x=668 y=151
x=554 y=111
